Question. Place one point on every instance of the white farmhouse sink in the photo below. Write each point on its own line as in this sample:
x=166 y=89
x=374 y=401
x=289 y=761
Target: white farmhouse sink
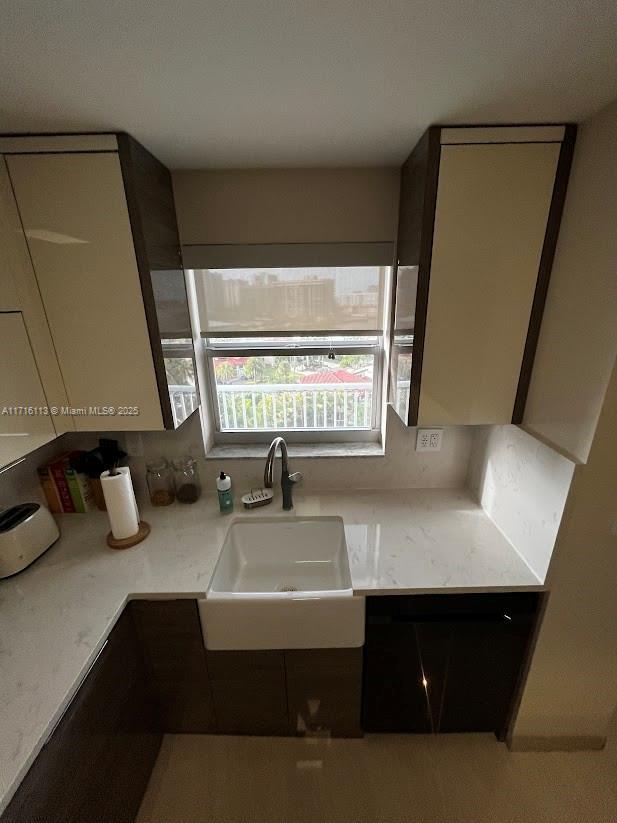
x=283 y=583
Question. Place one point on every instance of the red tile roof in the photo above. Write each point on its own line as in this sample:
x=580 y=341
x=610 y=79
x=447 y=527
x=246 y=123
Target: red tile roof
x=338 y=376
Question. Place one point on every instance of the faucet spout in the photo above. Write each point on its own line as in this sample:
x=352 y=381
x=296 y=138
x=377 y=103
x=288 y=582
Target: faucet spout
x=287 y=479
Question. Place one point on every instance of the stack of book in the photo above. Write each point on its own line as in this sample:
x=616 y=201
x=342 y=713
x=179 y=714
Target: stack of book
x=66 y=489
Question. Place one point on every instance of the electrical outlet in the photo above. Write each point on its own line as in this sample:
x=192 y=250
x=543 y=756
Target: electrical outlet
x=429 y=440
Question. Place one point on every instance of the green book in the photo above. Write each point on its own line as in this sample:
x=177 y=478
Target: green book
x=74 y=490
x=79 y=487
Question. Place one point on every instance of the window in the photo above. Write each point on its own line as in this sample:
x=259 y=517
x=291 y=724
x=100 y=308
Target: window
x=402 y=339
x=294 y=348
x=180 y=374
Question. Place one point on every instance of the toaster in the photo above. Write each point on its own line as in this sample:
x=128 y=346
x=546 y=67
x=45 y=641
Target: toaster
x=26 y=531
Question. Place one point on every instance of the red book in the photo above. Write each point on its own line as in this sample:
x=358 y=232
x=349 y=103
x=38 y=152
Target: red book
x=56 y=469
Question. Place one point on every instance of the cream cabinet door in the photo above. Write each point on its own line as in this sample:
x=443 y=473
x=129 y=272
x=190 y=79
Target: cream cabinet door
x=25 y=420
x=9 y=297
x=75 y=218
x=490 y=221
x=16 y=269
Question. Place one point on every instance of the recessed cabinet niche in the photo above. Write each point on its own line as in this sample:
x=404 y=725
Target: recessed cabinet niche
x=479 y=215
x=98 y=217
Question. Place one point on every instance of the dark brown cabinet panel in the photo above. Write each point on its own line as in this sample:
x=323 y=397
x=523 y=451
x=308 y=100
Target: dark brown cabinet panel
x=152 y=212
x=445 y=663
x=482 y=669
x=170 y=636
x=96 y=765
x=418 y=196
x=324 y=688
x=394 y=697
x=249 y=692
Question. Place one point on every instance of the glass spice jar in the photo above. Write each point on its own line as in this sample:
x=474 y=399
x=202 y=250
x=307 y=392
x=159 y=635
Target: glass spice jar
x=160 y=482
x=186 y=476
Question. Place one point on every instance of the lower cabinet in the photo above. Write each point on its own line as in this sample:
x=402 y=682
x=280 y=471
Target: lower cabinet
x=444 y=663
x=324 y=691
x=169 y=633
x=294 y=692
x=96 y=765
x=249 y=692
x=393 y=697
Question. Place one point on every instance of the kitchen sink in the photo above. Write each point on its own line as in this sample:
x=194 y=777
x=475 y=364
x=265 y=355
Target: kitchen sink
x=283 y=583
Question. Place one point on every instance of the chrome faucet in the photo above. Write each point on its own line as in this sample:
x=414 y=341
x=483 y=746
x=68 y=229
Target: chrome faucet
x=287 y=480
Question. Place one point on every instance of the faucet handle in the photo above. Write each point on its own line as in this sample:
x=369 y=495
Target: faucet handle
x=296 y=477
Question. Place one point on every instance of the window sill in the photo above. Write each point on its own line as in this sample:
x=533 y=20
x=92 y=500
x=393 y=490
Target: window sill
x=258 y=451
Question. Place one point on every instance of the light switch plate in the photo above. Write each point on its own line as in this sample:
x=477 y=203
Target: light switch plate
x=429 y=440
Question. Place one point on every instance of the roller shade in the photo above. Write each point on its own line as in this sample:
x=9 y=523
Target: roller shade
x=281 y=255
x=292 y=297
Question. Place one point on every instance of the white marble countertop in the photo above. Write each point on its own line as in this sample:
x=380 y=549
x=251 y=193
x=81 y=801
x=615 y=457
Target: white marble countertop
x=55 y=616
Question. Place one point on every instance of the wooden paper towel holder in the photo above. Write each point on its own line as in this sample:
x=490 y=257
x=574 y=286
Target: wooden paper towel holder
x=127 y=542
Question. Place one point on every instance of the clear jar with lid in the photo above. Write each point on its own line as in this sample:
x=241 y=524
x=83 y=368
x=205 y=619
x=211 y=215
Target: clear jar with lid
x=160 y=482
x=186 y=476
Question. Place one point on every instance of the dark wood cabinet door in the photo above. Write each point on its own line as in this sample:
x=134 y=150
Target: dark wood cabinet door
x=249 y=692
x=175 y=656
x=482 y=670
x=324 y=688
x=418 y=197
x=152 y=212
x=445 y=663
x=96 y=765
x=394 y=698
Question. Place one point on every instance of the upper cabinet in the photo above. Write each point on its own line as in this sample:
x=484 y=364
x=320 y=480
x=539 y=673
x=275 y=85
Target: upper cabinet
x=479 y=216
x=99 y=221
x=21 y=431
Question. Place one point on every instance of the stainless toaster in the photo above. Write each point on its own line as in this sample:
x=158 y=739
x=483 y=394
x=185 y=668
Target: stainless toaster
x=26 y=531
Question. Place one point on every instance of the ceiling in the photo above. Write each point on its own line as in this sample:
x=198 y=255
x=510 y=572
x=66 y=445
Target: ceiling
x=273 y=83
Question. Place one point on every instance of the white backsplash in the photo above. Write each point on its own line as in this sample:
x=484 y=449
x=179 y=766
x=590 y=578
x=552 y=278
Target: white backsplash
x=400 y=468
x=522 y=485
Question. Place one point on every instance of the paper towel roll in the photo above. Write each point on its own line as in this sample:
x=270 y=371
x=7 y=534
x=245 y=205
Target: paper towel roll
x=121 y=504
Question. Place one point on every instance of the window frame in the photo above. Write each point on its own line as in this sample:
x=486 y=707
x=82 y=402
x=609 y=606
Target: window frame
x=297 y=435
x=292 y=255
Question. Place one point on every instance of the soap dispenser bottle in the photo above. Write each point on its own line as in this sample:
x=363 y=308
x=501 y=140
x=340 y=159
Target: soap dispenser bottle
x=226 y=500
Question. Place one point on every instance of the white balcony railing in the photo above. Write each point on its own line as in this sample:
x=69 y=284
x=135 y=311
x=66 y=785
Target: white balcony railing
x=401 y=400
x=183 y=402
x=316 y=406
x=281 y=405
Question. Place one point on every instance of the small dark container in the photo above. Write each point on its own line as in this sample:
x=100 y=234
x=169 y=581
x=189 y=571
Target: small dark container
x=186 y=476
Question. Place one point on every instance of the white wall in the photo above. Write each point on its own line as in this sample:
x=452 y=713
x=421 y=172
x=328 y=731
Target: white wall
x=287 y=205
x=571 y=690
x=522 y=485
x=578 y=339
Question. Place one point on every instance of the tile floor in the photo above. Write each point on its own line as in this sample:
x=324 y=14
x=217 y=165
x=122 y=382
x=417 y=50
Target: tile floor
x=381 y=779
